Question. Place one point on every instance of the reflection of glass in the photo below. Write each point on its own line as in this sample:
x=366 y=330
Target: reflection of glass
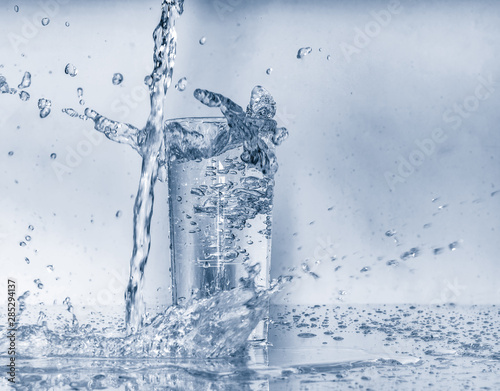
x=220 y=217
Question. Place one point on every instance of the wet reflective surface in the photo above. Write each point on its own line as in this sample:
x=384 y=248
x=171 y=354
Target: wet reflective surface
x=402 y=347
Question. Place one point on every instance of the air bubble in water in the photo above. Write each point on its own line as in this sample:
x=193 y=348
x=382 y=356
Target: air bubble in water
x=16 y=8
x=44 y=107
x=453 y=246
x=28 y=238
x=390 y=233
x=31 y=228
x=22 y=244
x=53 y=156
x=45 y=21
x=203 y=40
x=304 y=52
x=24 y=96
x=50 y=268
x=118 y=214
x=117 y=79
x=26 y=82
x=71 y=70
x=269 y=70
x=181 y=84
x=66 y=24
x=27 y=260
x=11 y=153
x=328 y=57
x=365 y=269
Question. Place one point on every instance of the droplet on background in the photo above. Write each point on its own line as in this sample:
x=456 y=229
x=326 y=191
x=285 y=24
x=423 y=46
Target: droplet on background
x=66 y=24
x=27 y=260
x=26 y=82
x=118 y=214
x=11 y=153
x=269 y=71
x=24 y=96
x=22 y=244
x=181 y=84
x=328 y=57
x=203 y=40
x=117 y=79
x=16 y=8
x=304 y=52
x=50 y=268
x=31 y=228
x=71 y=70
x=365 y=269
x=38 y=283
x=28 y=238
x=45 y=21
x=53 y=156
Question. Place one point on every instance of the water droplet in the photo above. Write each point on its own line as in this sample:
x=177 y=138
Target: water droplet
x=179 y=198
x=390 y=233
x=44 y=107
x=262 y=103
x=250 y=241
x=22 y=244
x=453 y=246
x=71 y=70
x=304 y=52
x=428 y=225
x=50 y=268
x=148 y=80
x=392 y=262
x=328 y=57
x=117 y=79
x=66 y=24
x=11 y=153
x=71 y=112
x=181 y=84
x=26 y=81
x=411 y=253
x=24 y=96
x=438 y=251
x=45 y=21
x=197 y=191
x=118 y=214
x=28 y=238
x=306 y=335
x=53 y=156
x=269 y=71
x=16 y=8
x=38 y=283
x=203 y=40
x=79 y=92
x=31 y=228
x=365 y=269
x=27 y=260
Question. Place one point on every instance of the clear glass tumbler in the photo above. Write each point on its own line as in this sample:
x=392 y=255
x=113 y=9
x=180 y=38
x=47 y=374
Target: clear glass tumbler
x=220 y=213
